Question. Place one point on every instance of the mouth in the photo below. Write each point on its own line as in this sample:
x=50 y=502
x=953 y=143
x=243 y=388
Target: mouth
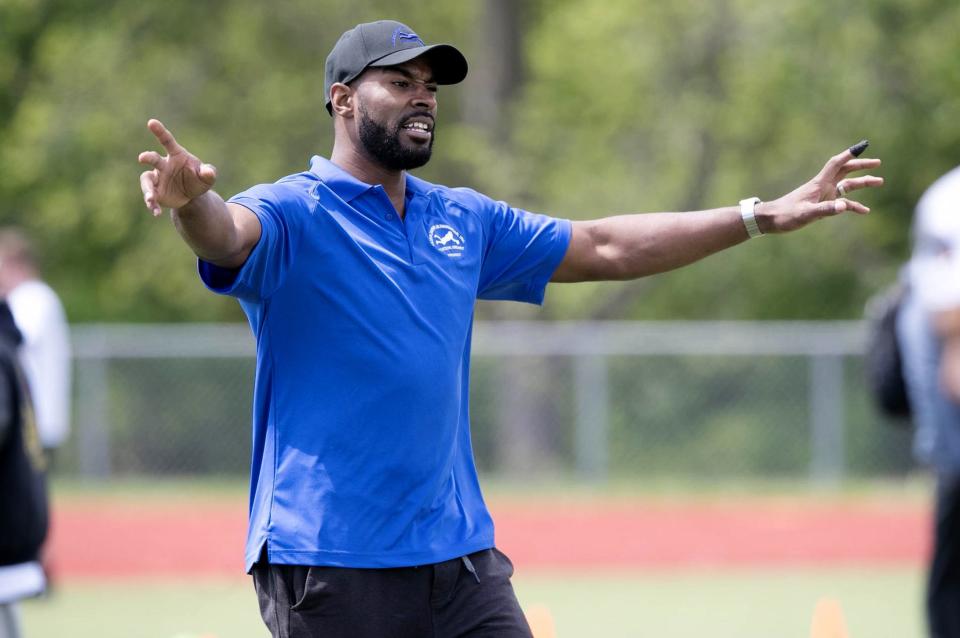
x=418 y=128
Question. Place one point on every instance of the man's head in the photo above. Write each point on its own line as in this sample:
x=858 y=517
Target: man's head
x=381 y=83
x=17 y=260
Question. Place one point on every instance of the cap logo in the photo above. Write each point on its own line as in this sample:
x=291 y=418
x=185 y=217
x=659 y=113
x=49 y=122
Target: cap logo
x=400 y=34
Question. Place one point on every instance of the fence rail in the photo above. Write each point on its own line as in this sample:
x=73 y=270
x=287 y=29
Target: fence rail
x=505 y=338
x=604 y=377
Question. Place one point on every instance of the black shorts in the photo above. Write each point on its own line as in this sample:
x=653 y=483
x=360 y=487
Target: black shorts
x=469 y=596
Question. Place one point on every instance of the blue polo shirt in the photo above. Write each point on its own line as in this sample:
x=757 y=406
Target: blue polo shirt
x=361 y=434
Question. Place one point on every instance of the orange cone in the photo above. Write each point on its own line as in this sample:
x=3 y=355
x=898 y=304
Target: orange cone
x=541 y=622
x=828 y=620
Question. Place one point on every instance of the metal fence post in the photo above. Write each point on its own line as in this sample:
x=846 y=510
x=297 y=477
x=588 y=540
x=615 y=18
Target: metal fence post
x=592 y=416
x=93 y=431
x=827 y=451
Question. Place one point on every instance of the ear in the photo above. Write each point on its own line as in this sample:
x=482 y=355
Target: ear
x=341 y=100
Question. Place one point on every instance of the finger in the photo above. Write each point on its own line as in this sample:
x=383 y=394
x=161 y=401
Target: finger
x=148 y=184
x=151 y=158
x=856 y=183
x=833 y=166
x=207 y=174
x=858 y=165
x=164 y=136
x=842 y=204
x=832 y=207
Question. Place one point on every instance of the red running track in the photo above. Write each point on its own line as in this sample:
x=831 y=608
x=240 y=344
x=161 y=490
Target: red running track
x=99 y=539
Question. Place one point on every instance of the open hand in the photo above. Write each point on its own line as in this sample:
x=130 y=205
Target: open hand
x=823 y=196
x=176 y=178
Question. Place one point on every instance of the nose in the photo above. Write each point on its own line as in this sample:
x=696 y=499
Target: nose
x=425 y=98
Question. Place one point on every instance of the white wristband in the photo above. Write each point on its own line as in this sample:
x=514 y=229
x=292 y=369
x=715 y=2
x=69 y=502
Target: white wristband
x=747 y=207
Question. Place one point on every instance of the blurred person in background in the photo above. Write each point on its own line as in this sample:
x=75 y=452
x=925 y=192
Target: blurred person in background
x=359 y=282
x=928 y=328
x=23 y=497
x=45 y=354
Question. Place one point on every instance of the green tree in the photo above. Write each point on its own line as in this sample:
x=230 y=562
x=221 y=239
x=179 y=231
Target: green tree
x=621 y=106
x=239 y=82
x=642 y=105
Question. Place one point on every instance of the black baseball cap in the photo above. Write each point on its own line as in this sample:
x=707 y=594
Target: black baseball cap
x=386 y=43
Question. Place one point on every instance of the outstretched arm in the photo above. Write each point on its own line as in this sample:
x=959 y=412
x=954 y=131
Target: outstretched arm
x=220 y=233
x=632 y=246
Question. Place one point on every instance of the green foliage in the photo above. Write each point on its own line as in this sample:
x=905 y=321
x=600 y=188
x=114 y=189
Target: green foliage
x=636 y=106
x=241 y=86
x=628 y=105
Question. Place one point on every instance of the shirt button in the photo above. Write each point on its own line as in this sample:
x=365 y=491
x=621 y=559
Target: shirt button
x=388 y=217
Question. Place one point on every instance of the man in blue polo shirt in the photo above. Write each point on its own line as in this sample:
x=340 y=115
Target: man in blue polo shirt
x=359 y=281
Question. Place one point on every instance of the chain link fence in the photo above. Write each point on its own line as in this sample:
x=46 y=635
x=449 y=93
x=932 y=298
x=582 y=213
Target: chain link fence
x=692 y=400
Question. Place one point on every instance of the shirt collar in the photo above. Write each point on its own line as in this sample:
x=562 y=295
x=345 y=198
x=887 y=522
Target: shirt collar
x=343 y=183
x=416 y=186
x=349 y=187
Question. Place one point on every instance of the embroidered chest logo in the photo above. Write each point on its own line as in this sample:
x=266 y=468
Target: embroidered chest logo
x=447 y=240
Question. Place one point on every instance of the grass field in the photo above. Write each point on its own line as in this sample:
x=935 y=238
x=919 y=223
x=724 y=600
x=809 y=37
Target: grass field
x=878 y=603
x=608 y=600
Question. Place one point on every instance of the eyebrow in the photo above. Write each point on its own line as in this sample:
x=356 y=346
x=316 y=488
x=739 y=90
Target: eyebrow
x=407 y=74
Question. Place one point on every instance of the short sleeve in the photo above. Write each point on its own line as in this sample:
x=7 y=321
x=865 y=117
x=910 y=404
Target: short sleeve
x=522 y=251
x=280 y=210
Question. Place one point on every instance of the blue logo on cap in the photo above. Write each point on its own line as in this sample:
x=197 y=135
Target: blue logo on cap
x=400 y=34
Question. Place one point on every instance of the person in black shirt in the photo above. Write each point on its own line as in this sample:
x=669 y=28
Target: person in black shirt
x=23 y=491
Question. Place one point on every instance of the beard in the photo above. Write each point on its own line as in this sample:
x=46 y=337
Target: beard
x=384 y=146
